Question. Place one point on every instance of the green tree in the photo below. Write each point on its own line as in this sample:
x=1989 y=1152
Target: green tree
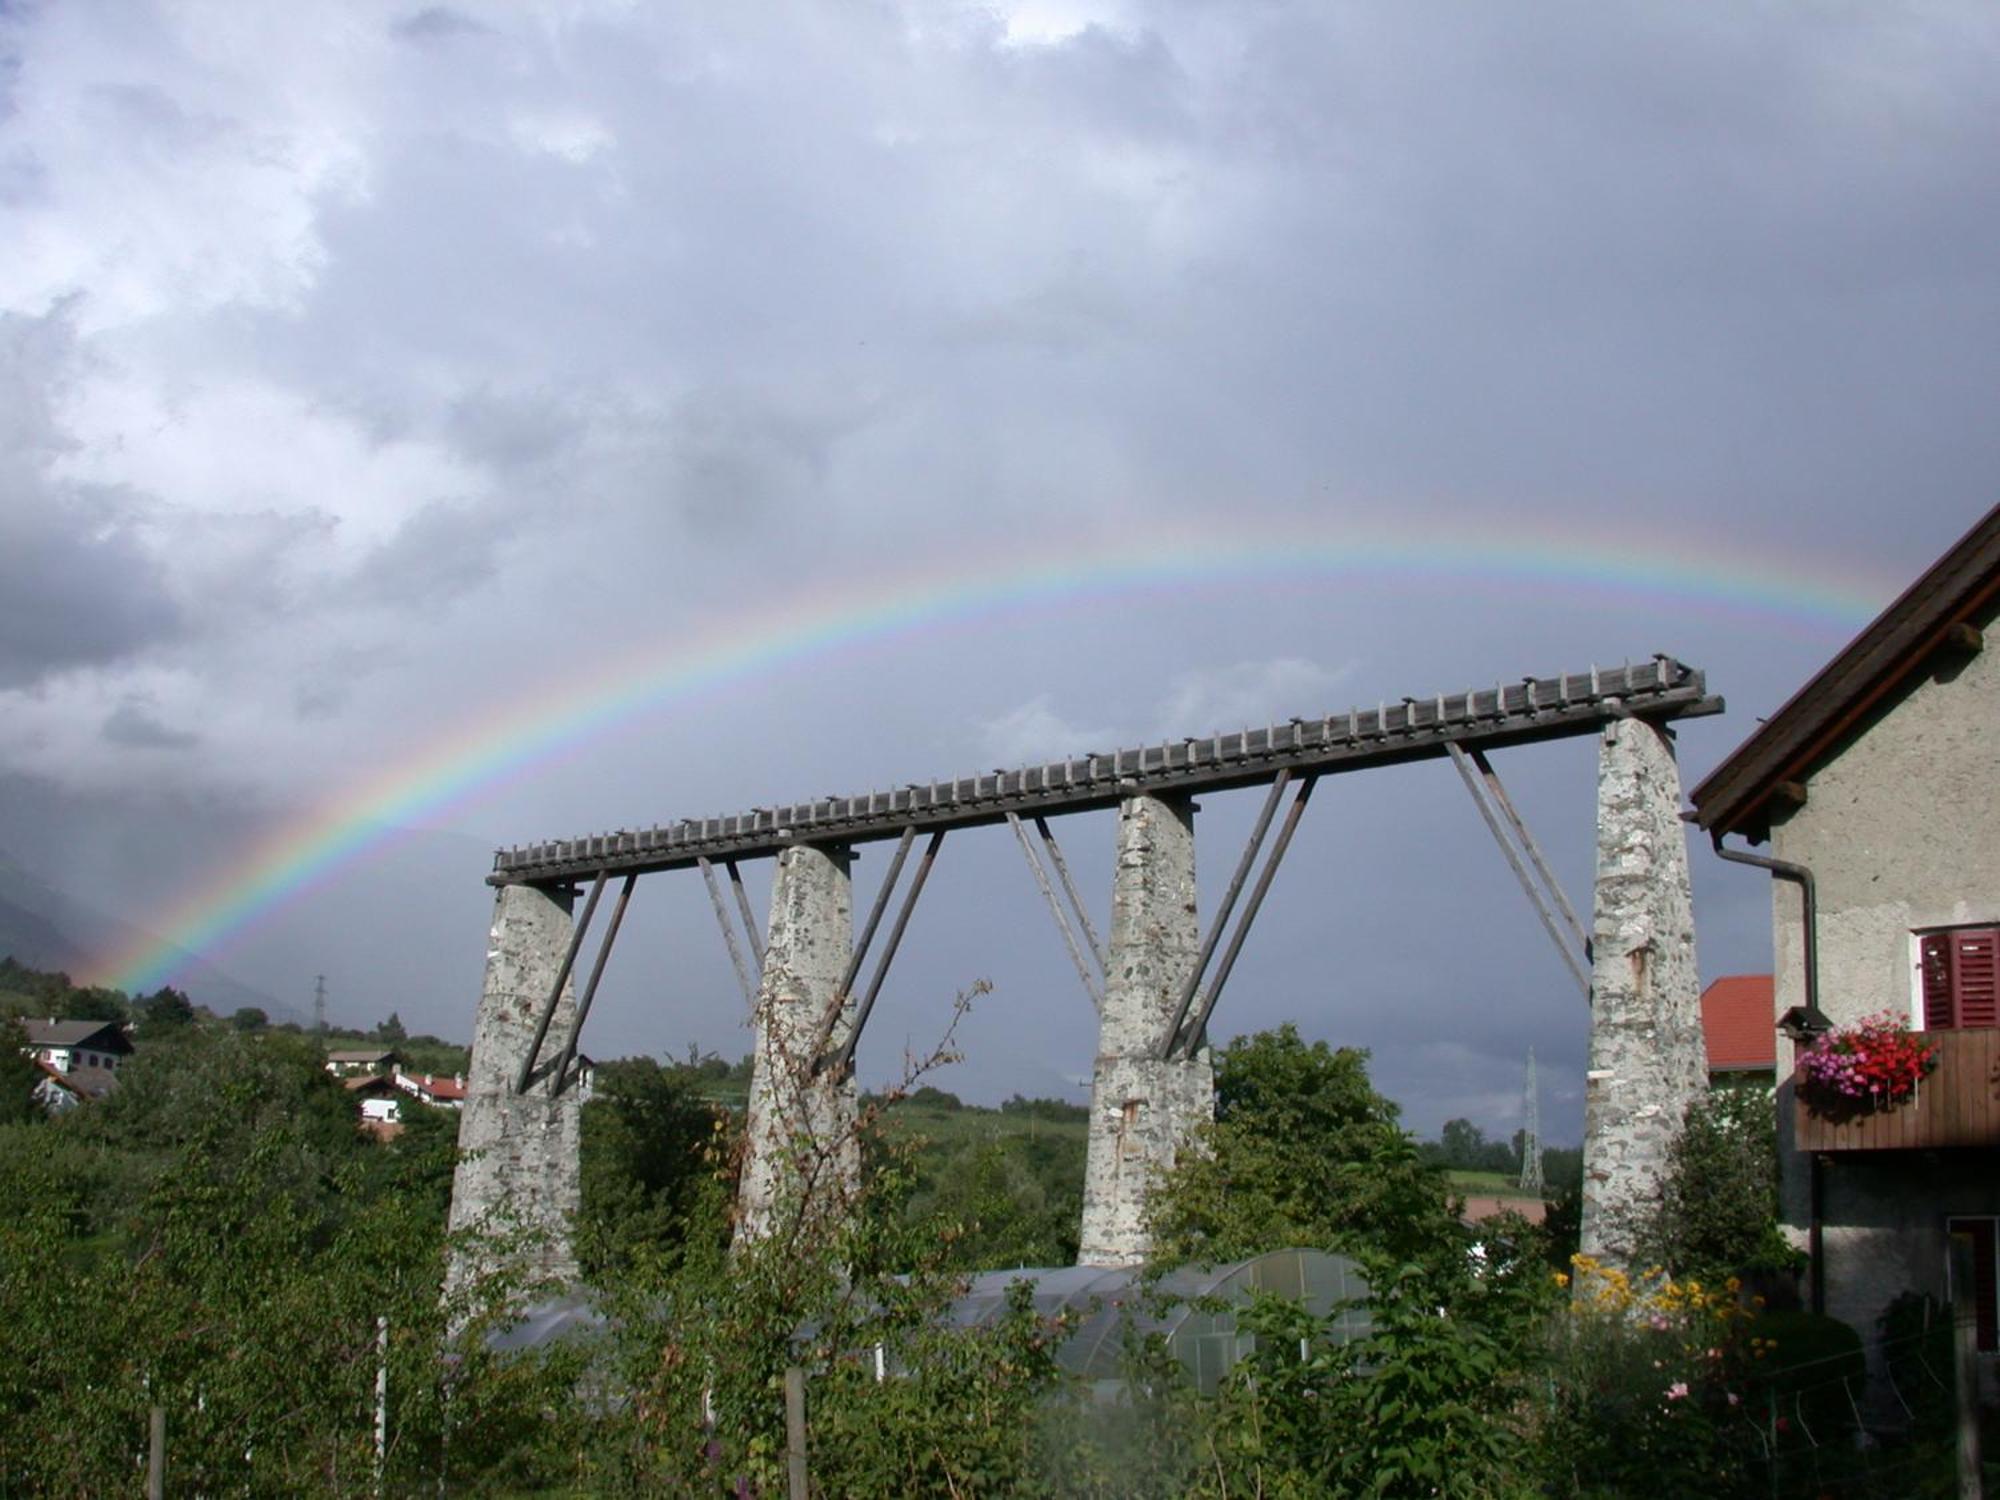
x=1303 y=1152
x=652 y=1147
x=391 y=1031
x=18 y=1076
x=250 y=1018
x=1718 y=1207
x=163 y=1012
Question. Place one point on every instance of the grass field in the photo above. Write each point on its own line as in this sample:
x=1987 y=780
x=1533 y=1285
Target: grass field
x=1490 y=1185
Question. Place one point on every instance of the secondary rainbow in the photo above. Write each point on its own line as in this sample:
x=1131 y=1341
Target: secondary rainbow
x=546 y=724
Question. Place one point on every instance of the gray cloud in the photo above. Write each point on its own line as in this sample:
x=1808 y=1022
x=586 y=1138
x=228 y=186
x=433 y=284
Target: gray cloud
x=134 y=723
x=444 y=374
x=437 y=23
x=78 y=588
x=440 y=553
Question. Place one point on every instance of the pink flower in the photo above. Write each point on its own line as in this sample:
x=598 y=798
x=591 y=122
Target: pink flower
x=1677 y=1390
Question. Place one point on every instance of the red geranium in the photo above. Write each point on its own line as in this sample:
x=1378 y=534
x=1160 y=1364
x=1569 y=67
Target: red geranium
x=1874 y=1063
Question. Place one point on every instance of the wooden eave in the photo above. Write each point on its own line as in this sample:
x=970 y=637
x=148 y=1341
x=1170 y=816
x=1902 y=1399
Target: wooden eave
x=1790 y=745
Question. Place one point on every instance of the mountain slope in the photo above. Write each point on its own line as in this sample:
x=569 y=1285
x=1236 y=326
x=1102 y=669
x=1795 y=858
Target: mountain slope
x=47 y=928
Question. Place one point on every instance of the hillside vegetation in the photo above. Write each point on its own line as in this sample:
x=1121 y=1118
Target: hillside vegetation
x=219 y=1240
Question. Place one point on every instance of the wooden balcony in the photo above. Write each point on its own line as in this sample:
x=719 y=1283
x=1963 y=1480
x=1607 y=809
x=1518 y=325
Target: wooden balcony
x=1957 y=1106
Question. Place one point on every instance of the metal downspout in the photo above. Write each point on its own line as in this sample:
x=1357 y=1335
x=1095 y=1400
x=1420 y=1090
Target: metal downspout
x=1814 y=1017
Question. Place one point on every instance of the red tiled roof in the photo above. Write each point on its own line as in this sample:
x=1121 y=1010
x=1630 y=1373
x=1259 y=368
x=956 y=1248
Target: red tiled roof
x=443 y=1088
x=1739 y=1024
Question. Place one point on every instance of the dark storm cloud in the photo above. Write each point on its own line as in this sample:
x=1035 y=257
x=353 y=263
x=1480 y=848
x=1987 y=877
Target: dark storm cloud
x=438 y=554
x=76 y=587
x=437 y=23
x=690 y=308
x=134 y=724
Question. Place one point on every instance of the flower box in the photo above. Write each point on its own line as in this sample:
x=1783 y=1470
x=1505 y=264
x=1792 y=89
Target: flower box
x=1957 y=1105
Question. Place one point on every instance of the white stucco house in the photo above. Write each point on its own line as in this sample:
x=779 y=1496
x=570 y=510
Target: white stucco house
x=70 y=1046
x=1873 y=797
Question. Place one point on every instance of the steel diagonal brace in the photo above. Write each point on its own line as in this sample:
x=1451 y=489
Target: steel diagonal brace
x=527 y=1072
x=1189 y=1042
x=743 y=979
x=840 y=1061
x=1487 y=794
x=1090 y=984
x=583 y=1003
x=1069 y=890
x=749 y=917
x=1222 y=912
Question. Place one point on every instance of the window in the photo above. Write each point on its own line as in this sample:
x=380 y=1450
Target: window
x=1985 y=1304
x=1958 y=973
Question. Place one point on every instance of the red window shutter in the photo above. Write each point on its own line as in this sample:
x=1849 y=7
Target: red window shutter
x=1939 y=1014
x=1976 y=976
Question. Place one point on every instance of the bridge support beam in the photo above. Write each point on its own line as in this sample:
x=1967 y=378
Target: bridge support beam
x=1143 y=1108
x=803 y=1162
x=1647 y=1062
x=517 y=1172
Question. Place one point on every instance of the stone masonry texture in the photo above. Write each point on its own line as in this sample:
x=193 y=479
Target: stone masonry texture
x=803 y=1155
x=517 y=1174
x=1142 y=1110
x=1646 y=1057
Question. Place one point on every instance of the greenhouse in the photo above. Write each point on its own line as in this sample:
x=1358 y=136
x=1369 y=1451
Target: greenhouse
x=1193 y=1308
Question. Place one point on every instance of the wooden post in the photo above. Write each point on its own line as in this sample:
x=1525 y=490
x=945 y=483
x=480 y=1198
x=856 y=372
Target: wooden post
x=1965 y=1365
x=156 y=1454
x=795 y=1433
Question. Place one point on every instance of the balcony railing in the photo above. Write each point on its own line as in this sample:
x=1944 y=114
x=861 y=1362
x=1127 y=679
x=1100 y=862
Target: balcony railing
x=1957 y=1106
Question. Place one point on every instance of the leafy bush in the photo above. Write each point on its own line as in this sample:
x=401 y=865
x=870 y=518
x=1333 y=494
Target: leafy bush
x=1718 y=1208
x=1645 y=1392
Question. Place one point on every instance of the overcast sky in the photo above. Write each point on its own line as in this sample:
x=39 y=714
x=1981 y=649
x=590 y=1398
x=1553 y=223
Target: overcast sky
x=368 y=368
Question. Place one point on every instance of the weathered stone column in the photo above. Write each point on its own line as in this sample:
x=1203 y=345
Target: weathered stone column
x=1142 y=1110
x=517 y=1172
x=803 y=1158
x=1647 y=1062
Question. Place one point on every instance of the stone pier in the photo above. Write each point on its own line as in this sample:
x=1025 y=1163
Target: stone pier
x=803 y=1157
x=517 y=1175
x=1142 y=1110
x=1647 y=1062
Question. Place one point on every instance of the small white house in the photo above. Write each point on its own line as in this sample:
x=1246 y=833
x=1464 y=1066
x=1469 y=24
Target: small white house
x=71 y=1046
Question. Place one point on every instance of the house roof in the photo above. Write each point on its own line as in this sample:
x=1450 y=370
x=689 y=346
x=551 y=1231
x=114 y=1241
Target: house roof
x=103 y=1036
x=439 y=1088
x=1739 y=1024
x=90 y=1083
x=1879 y=662
x=368 y=1083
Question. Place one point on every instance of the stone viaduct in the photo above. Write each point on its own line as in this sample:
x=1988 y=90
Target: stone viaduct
x=1154 y=977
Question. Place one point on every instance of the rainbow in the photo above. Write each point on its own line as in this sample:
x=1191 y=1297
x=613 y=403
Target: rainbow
x=544 y=725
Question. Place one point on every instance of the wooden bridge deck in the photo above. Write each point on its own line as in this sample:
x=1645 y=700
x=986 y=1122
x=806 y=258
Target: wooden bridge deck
x=1535 y=708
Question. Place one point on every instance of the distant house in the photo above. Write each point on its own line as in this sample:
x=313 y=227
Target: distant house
x=58 y=1092
x=352 y=1064
x=70 y=1046
x=445 y=1093
x=1740 y=1028
x=381 y=1110
x=1877 y=790
x=449 y=1093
